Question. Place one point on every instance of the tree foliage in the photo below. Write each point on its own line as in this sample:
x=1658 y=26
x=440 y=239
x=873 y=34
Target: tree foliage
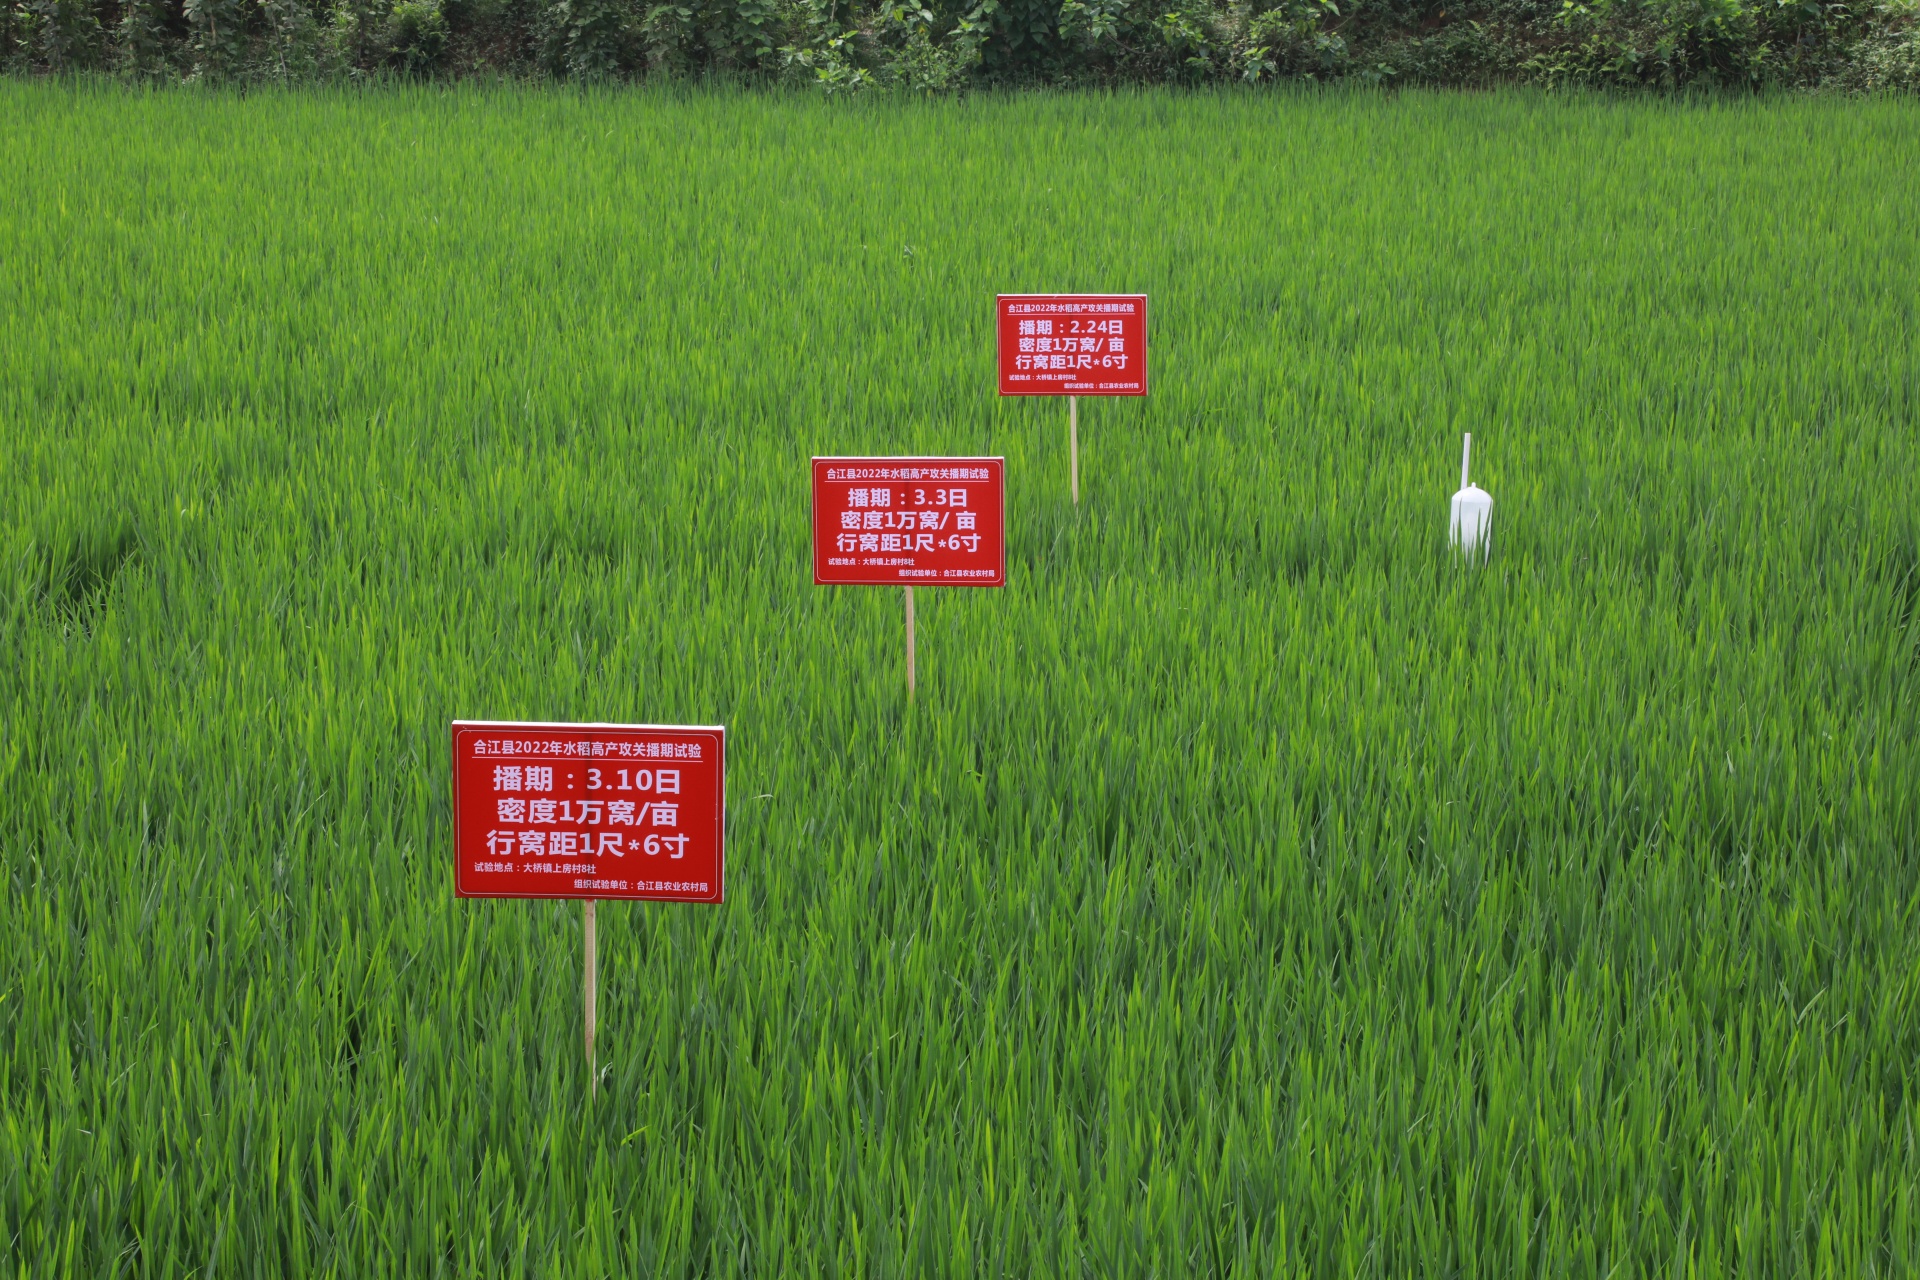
x=926 y=45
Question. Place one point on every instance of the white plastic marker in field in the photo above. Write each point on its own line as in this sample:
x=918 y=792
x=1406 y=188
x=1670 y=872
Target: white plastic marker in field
x=1472 y=526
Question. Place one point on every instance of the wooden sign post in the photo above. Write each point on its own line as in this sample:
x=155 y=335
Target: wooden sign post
x=907 y=522
x=1072 y=345
x=629 y=812
x=1073 y=444
x=909 y=591
x=590 y=987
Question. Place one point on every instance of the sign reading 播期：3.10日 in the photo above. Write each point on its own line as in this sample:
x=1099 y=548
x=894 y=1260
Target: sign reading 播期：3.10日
x=596 y=811
x=589 y=811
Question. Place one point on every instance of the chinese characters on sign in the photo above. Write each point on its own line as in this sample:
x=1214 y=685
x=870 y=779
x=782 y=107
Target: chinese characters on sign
x=934 y=522
x=1073 y=344
x=588 y=811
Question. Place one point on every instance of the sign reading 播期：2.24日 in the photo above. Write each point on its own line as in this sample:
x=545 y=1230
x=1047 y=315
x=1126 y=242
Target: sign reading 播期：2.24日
x=1072 y=344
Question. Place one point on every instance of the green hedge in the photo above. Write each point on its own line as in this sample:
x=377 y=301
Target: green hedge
x=846 y=45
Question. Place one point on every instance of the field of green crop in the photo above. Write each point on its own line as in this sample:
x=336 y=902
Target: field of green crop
x=1248 y=889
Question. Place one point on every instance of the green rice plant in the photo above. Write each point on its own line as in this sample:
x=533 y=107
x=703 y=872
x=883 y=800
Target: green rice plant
x=1250 y=889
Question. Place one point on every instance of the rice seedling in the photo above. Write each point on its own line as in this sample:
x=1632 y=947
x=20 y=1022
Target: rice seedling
x=1248 y=889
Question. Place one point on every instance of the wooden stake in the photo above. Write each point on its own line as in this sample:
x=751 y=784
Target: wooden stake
x=592 y=985
x=909 y=642
x=1073 y=443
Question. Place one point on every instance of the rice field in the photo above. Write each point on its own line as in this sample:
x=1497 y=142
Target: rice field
x=1248 y=889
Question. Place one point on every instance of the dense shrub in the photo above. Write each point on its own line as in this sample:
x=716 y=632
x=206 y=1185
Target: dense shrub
x=842 y=45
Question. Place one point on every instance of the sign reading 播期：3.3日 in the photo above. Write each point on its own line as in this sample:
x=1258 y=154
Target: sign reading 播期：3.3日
x=910 y=522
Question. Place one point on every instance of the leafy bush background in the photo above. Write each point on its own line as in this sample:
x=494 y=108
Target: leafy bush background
x=924 y=45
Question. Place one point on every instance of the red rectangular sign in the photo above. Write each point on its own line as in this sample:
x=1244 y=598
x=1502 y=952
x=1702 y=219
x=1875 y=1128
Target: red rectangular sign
x=589 y=811
x=910 y=522
x=1073 y=344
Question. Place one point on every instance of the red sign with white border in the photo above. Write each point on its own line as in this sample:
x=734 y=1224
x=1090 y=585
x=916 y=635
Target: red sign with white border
x=605 y=811
x=910 y=522
x=1073 y=344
